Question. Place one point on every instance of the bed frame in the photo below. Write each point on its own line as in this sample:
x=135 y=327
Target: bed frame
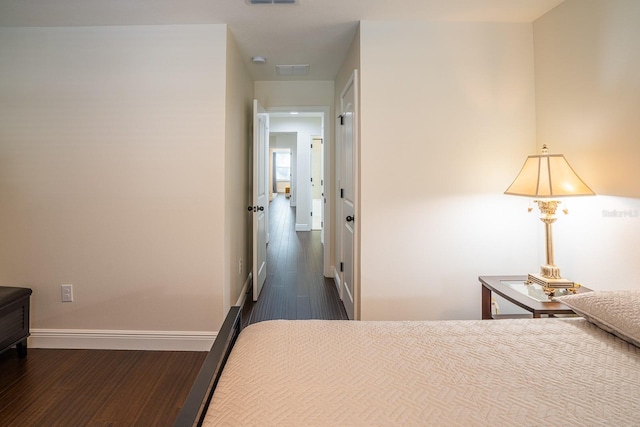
x=195 y=407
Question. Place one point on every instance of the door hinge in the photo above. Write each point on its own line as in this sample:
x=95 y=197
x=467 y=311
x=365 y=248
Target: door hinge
x=342 y=193
x=322 y=182
x=311 y=145
x=341 y=117
x=311 y=213
x=321 y=223
x=341 y=267
x=311 y=179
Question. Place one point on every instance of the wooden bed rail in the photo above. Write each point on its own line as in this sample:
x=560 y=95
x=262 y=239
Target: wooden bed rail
x=195 y=407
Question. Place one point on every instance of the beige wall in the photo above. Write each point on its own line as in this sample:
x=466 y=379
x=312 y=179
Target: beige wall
x=238 y=185
x=447 y=118
x=587 y=62
x=111 y=174
x=588 y=90
x=273 y=94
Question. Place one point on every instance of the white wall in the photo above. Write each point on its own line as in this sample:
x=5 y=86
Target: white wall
x=112 y=174
x=304 y=128
x=587 y=62
x=447 y=119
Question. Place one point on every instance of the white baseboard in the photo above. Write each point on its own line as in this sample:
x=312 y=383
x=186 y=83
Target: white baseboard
x=245 y=289
x=303 y=227
x=100 y=339
x=336 y=280
x=121 y=340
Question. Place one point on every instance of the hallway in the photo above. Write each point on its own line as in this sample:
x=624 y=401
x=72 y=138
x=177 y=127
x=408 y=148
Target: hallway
x=295 y=287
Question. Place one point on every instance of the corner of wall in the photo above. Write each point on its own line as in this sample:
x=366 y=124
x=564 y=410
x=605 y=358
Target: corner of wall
x=237 y=239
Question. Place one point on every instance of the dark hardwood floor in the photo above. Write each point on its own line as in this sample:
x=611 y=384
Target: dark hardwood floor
x=147 y=388
x=295 y=287
x=95 y=387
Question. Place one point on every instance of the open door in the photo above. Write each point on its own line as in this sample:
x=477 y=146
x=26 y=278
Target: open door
x=349 y=291
x=260 y=206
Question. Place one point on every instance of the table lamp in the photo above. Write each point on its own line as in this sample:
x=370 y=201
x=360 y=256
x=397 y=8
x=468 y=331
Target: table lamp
x=546 y=177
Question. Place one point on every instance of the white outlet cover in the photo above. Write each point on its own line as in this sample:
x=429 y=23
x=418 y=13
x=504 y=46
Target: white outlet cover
x=66 y=293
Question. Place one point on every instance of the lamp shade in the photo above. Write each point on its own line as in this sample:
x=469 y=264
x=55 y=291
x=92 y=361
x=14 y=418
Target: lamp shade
x=548 y=175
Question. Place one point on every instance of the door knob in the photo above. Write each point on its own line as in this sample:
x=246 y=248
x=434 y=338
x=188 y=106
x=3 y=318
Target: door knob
x=250 y=208
x=260 y=208
x=255 y=208
x=350 y=218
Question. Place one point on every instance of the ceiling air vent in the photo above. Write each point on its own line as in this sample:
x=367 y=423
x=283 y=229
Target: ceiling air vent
x=272 y=1
x=292 y=70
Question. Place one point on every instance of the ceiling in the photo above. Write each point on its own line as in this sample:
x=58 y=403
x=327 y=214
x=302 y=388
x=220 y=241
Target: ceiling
x=314 y=32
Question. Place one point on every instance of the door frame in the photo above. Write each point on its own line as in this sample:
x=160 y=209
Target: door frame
x=352 y=81
x=312 y=159
x=327 y=125
x=260 y=196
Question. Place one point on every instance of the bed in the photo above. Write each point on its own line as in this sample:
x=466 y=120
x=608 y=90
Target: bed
x=553 y=371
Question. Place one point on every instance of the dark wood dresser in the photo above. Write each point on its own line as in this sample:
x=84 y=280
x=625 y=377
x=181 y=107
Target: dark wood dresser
x=14 y=318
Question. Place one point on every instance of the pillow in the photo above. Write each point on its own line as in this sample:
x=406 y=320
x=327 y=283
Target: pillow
x=617 y=312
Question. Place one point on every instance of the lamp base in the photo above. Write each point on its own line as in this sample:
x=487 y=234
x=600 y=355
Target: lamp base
x=549 y=285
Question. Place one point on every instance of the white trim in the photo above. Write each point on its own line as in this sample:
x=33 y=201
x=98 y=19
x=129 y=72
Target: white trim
x=336 y=280
x=245 y=289
x=303 y=227
x=122 y=339
x=127 y=339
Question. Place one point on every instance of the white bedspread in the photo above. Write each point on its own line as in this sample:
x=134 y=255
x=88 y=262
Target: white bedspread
x=521 y=372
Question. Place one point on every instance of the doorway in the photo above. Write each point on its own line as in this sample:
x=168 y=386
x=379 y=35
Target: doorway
x=310 y=172
x=299 y=262
x=282 y=165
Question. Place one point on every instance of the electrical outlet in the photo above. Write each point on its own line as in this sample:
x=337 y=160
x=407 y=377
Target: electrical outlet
x=66 y=293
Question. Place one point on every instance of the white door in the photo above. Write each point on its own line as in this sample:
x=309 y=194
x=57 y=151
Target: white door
x=260 y=206
x=348 y=222
x=316 y=183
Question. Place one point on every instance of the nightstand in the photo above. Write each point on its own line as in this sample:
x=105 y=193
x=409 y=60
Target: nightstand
x=529 y=297
x=14 y=318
